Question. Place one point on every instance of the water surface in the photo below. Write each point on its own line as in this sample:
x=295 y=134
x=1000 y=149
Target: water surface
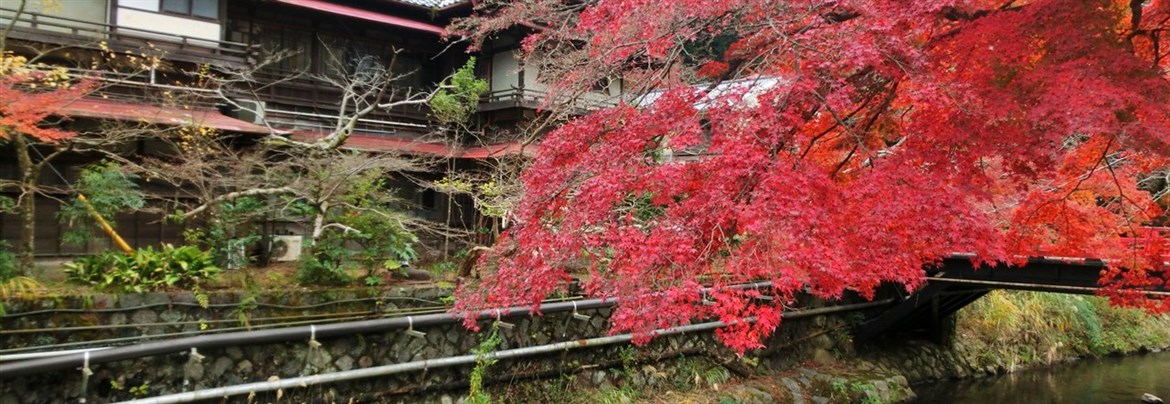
x=1107 y=380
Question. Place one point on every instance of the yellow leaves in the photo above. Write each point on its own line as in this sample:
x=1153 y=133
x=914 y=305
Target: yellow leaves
x=12 y=64
x=450 y=185
x=196 y=139
x=16 y=69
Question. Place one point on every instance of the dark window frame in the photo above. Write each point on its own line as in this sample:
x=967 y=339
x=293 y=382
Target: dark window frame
x=191 y=10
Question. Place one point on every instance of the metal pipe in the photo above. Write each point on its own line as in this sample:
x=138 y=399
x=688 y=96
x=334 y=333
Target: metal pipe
x=11 y=370
x=35 y=355
x=435 y=304
x=304 y=381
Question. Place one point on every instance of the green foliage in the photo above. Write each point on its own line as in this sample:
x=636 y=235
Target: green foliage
x=231 y=230
x=1019 y=328
x=325 y=266
x=455 y=105
x=141 y=390
x=109 y=190
x=10 y=282
x=476 y=394
x=146 y=270
x=365 y=218
x=372 y=281
x=14 y=286
x=8 y=264
x=7 y=205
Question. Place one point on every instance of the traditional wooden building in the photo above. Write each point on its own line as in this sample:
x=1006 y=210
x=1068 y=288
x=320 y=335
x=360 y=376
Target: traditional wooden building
x=314 y=40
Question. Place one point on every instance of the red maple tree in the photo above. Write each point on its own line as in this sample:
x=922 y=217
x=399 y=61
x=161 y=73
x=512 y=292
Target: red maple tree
x=849 y=144
x=30 y=93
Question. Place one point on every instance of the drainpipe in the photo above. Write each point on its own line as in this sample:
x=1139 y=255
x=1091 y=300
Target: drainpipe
x=305 y=381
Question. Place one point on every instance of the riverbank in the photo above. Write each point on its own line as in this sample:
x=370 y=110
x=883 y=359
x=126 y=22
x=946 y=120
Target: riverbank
x=1011 y=330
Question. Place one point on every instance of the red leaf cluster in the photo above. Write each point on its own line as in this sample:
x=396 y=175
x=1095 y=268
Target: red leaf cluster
x=29 y=96
x=871 y=138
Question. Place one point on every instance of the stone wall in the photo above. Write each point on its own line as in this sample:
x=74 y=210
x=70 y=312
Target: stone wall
x=155 y=314
x=75 y=319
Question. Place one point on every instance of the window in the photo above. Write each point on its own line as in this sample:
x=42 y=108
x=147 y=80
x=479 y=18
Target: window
x=196 y=8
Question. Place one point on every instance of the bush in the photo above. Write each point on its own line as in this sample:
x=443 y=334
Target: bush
x=7 y=262
x=146 y=270
x=322 y=271
x=1024 y=328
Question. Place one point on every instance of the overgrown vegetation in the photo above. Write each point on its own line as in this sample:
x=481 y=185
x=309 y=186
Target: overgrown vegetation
x=1021 y=328
x=146 y=270
x=8 y=268
x=11 y=283
x=365 y=231
x=109 y=191
x=476 y=393
x=231 y=231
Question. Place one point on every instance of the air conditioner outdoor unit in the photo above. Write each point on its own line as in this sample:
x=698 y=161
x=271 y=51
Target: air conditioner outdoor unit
x=285 y=248
x=249 y=110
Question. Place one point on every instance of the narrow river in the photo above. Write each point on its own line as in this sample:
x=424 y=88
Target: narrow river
x=1108 y=380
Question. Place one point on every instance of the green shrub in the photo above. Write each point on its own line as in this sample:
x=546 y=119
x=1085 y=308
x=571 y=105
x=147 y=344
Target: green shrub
x=7 y=262
x=146 y=270
x=109 y=191
x=317 y=270
x=1024 y=328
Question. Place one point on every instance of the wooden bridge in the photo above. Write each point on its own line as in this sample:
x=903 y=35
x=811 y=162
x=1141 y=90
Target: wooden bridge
x=957 y=282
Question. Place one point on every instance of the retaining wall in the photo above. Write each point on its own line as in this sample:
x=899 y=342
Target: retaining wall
x=133 y=316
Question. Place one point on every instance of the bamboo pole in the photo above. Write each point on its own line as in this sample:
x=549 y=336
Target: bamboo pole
x=105 y=225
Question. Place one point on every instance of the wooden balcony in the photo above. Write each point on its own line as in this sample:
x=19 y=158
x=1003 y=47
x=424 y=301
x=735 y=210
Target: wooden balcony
x=526 y=98
x=53 y=30
x=294 y=100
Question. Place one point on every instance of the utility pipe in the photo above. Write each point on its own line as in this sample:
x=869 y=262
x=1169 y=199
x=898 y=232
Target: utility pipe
x=305 y=381
x=11 y=370
x=35 y=355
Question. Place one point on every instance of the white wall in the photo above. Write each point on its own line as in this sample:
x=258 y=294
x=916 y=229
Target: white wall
x=148 y=5
x=530 y=82
x=505 y=69
x=131 y=18
x=91 y=11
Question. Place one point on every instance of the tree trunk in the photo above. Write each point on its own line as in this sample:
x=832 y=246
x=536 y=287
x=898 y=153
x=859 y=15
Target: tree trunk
x=310 y=246
x=28 y=183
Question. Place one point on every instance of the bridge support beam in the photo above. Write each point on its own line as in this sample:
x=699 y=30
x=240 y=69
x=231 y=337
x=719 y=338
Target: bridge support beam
x=957 y=282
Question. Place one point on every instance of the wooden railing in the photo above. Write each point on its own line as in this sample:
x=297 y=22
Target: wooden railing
x=517 y=97
x=68 y=31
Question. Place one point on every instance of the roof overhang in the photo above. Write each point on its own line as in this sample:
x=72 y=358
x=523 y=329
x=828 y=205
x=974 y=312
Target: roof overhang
x=158 y=115
x=368 y=15
x=375 y=143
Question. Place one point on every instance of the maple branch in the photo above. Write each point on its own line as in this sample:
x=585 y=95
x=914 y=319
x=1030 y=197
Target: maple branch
x=1103 y=160
x=1135 y=17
